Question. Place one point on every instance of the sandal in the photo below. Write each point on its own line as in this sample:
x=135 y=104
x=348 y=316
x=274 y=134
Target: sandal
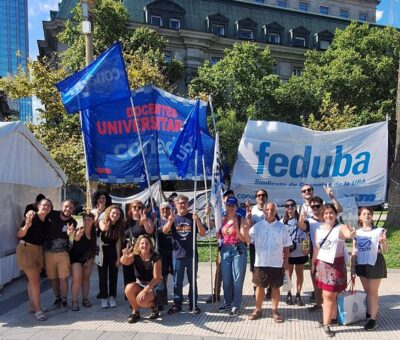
x=134 y=317
x=255 y=315
x=154 y=313
x=86 y=303
x=75 y=307
x=39 y=316
x=277 y=317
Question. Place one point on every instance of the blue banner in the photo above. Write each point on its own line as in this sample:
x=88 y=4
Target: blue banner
x=112 y=145
x=188 y=140
x=102 y=81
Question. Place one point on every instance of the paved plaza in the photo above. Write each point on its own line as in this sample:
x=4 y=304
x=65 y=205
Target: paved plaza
x=96 y=323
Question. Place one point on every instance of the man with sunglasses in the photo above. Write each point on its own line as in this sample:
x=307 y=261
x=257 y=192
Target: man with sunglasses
x=307 y=191
x=311 y=224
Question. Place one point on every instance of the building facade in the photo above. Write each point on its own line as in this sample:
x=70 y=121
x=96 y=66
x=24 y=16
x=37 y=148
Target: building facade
x=14 y=50
x=199 y=30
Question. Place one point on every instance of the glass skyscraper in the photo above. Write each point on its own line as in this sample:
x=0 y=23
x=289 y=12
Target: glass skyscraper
x=14 y=50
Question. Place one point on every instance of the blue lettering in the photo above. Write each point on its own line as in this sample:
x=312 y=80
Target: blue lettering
x=339 y=165
x=278 y=160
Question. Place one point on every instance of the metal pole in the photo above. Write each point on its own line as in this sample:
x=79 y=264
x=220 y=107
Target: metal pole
x=194 y=233
x=208 y=223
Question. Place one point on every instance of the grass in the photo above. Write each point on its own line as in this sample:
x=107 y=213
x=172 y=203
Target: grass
x=392 y=256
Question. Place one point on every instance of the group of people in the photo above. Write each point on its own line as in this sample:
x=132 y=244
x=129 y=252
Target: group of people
x=150 y=247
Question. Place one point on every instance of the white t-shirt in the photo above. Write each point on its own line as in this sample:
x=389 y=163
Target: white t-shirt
x=367 y=245
x=333 y=246
x=257 y=214
x=269 y=240
x=313 y=225
x=307 y=209
x=297 y=235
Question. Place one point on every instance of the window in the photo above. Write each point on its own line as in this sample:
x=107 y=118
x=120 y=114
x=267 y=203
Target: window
x=246 y=34
x=324 y=10
x=299 y=41
x=214 y=60
x=363 y=16
x=168 y=56
x=303 y=6
x=297 y=71
x=281 y=3
x=156 y=20
x=344 y=13
x=275 y=69
x=324 y=44
x=274 y=38
x=218 y=29
x=174 y=23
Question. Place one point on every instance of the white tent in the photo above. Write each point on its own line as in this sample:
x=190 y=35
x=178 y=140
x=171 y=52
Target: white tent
x=26 y=169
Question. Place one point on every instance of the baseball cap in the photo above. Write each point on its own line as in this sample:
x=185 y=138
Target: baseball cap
x=232 y=201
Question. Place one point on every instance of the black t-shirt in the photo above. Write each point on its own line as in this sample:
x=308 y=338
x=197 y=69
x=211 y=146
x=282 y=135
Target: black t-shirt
x=30 y=207
x=133 y=230
x=56 y=236
x=164 y=241
x=109 y=237
x=144 y=269
x=37 y=232
x=84 y=247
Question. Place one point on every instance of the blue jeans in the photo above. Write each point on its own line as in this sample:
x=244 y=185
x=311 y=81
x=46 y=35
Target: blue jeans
x=233 y=267
x=179 y=266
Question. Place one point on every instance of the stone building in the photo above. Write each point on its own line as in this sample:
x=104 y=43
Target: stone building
x=198 y=30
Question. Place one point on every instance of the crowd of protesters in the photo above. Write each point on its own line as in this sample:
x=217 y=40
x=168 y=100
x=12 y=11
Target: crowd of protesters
x=150 y=246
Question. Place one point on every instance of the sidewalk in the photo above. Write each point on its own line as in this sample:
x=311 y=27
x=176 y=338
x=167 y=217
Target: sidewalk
x=96 y=323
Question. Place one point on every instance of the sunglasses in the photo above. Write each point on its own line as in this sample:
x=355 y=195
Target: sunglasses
x=306 y=190
x=261 y=195
x=316 y=206
x=290 y=205
x=137 y=207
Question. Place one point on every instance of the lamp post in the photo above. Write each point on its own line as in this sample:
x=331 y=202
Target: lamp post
x=87 y=6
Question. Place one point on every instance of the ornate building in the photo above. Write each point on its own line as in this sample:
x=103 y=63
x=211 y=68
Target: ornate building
x=198 y=30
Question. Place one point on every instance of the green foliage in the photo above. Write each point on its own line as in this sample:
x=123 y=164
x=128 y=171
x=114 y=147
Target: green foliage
x=351 y=84
x=242 y=87
x=59 y=132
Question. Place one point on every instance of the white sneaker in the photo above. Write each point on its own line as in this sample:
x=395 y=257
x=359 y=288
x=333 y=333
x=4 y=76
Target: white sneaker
x=104 y=303
x=111 y=301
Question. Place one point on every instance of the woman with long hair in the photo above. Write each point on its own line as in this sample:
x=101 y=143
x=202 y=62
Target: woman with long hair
x=29 y=253
x=148 y=291
x=109 y=233
x=101 y=200
x=329 y=261
x=233 y=258
x=137 y=224
x=297 y=259
x=369 y=244
x=81 y=257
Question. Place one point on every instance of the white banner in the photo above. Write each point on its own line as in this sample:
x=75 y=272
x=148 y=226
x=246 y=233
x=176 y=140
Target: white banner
x=281 y=158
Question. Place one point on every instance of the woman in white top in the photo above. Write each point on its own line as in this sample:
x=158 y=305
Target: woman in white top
x=329 y=261
x=369 y=244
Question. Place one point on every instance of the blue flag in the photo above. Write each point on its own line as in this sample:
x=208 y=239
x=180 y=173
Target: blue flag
x=143 y=179
x=104 y=80
x=188 y=140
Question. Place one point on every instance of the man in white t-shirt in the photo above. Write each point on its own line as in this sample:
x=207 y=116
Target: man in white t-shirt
x=272 y=241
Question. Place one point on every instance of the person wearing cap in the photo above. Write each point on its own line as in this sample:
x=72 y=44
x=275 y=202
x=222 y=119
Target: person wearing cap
x=233 y=257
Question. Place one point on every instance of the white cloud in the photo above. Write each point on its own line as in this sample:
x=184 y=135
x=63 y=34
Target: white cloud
x=379 y=15
x=36 y=7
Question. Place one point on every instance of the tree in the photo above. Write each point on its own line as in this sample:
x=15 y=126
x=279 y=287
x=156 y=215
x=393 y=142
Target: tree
x=241 y=85
x=59 y=132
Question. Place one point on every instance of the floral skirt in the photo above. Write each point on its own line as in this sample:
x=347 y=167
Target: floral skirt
x=331 y=277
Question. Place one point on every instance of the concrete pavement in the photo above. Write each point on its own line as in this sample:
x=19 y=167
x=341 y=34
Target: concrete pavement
x=97 y=323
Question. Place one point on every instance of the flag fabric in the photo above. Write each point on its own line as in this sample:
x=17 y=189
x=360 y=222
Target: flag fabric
x=187 y=141
x=216 y=185
x=143 y=179
x=102 y=81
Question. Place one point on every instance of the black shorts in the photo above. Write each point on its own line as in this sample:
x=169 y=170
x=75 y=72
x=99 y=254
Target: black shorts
x=378 y=271
x=298 y=260
x=268 y=277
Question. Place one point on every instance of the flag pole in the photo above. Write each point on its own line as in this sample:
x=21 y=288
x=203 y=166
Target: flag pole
x=143 y=156
x=208 y=224
x=194 y=233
